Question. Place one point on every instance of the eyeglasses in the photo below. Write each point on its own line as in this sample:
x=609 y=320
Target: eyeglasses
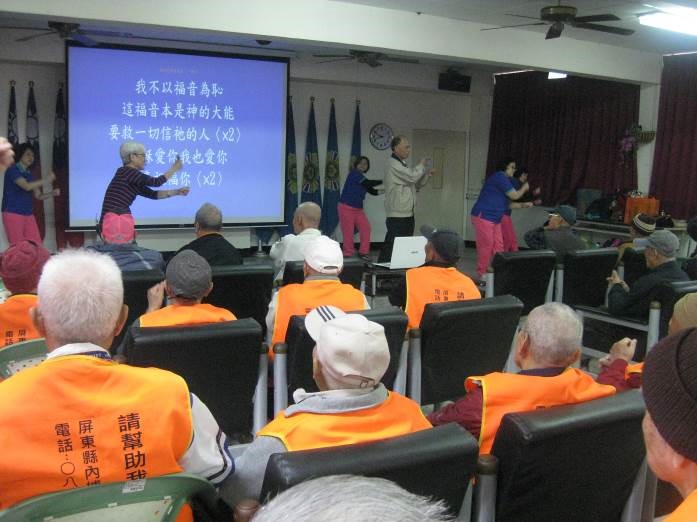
x=142 y=154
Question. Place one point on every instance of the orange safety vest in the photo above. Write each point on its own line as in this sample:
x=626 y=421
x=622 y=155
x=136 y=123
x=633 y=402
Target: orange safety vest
x=78 y=420
x=633 y=368
x=395 y=416
x=299 y=299
x=685 y=512
x=15 y=322
x=433 y=284
x=504 y=393
x=178 y=315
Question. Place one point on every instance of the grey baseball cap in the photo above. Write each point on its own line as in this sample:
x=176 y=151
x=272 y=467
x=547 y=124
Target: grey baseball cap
x=664 y=241
x=188 y=275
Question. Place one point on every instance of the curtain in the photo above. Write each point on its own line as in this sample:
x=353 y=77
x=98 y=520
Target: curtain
x=675 y=157
x=566 y=132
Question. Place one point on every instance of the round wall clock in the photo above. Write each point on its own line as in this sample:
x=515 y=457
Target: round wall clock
x=381 y=135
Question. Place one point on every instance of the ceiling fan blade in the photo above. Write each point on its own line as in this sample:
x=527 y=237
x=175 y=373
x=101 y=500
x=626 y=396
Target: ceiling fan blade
x=554 y=31
x=331 y=56
x=398 y=59
x=523 y=16
x=598 y=18
x=604 y=28
x=85 y=40
x=508 y=26
x=339 y=59
x=31 y=37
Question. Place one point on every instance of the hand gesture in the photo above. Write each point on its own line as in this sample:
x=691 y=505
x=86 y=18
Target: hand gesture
x=183 y=191
x=614 y=279
x=537 y=202
x=7 y=155
x=156 y=295
x=623 y=349
x=56 y=192
x=431 y=173
x=52 y=176
x=537 y=191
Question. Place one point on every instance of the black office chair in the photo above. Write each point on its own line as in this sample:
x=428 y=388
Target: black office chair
x=351 y=274
x=632 y=265
x=298 y=361
x=583 y=462
x=526 y=274
x=437 y=463
x=220 y=363
x=245 y=290
x=457 y=340
x=582 y=279
x=135 y=296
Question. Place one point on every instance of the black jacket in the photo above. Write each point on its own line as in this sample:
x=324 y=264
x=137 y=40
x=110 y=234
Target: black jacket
x=215 y=249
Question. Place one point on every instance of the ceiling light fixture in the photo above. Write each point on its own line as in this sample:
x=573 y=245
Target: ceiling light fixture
x=674 y=18
x=555 y=75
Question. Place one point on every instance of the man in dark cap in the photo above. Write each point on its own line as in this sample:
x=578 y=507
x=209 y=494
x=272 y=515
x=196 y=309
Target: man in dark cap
x=438 y=280
x=670 y=422
x=20 y=269
x=556 y=234
x=187 y=281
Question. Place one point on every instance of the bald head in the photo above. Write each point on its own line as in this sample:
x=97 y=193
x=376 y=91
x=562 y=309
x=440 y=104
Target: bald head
x=307 y=215
x=208 y=218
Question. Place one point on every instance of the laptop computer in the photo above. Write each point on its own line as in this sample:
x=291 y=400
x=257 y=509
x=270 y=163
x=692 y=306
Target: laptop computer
x=407 y=252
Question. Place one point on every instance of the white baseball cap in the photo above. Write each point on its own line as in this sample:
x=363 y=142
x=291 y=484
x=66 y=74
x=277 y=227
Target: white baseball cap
x=352 y=350
x=324 y=255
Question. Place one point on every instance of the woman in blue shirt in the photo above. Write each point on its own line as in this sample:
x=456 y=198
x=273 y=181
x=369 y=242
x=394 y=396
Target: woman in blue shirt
x=350 y=208
x=494 y=200
x=17 y=199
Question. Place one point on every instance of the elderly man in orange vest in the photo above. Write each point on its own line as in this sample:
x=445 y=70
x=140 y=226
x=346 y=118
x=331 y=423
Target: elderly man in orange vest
x=78 y=418
x=438 y=280
x=670 y=427
x=188 y=280
x=322 y=286
x=545 y=347
x=352 y=406
x=20 y=268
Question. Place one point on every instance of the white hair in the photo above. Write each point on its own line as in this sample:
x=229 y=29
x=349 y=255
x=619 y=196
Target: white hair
x=80 y=296
x=209 y=217
x=555 y=332
x=344 y=498
x=310 y=212
x=130 y=147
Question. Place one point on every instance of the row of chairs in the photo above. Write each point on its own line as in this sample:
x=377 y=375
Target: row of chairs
x=579 y=280
x=583 y=462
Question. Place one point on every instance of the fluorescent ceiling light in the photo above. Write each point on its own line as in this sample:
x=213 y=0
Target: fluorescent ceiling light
x=555 y=75
x=674 y=18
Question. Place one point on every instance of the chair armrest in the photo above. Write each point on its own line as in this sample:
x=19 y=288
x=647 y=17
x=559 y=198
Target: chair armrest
x=484 y=509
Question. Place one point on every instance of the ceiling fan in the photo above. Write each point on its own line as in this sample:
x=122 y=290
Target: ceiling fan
x=560 y=15
x=371 y=58
x=67 y=30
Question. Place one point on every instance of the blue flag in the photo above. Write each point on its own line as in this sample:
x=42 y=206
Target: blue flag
x=356 y=141
x=330 y=216
x=12 y=133
x=291 y=172
x=310 y=188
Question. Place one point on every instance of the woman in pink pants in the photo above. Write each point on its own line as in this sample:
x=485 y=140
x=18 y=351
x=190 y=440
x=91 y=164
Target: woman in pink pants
x=350 y=208
x=494 y=200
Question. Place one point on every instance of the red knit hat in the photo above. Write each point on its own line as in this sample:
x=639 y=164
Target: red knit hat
x=118 y=228
x=21 y=265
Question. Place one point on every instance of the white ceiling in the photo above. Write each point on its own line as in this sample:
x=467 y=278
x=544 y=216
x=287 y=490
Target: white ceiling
x=499 y=12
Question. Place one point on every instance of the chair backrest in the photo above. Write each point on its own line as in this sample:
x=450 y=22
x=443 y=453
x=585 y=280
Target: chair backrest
x=689 y=266
x=524 y=274
x=156 y=499
x=668 y=294
x=634 y=264
x=571 y=463
x=18 y=356
x=135 y=296
x=464 y=338
x=300 y=346
x=351 y=274
x=436 y=463
x=585 y=273
x=220 y=363
x=245 y=290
